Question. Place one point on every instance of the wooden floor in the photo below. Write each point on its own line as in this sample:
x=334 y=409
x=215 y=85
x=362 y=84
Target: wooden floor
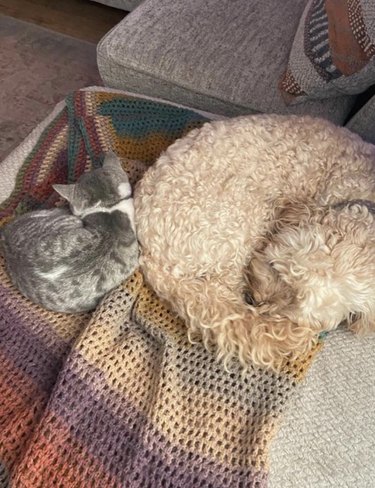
x=82 y=19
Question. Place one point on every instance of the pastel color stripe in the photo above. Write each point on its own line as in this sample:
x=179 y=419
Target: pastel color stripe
x=121 y=398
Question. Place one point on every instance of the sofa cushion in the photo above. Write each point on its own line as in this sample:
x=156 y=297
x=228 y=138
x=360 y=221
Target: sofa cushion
x=333 y=52
x=209 y=55
x=327 y=437
x=363 y=121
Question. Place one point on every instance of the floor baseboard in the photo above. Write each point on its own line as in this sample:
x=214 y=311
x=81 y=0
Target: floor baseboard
x=81 y=19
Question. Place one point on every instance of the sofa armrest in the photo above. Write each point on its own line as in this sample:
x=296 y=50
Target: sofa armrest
x=126 y=5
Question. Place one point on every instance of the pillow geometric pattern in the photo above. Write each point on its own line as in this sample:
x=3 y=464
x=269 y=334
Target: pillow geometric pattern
x=333 y=50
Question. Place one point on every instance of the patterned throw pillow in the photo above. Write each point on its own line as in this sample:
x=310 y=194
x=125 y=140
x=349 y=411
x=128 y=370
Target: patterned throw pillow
x=333 y=51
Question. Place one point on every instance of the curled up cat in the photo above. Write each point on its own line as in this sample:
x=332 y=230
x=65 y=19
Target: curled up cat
x=66 y=259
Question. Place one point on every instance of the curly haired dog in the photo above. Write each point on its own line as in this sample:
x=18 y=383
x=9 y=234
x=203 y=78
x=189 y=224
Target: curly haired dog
x=275 y=208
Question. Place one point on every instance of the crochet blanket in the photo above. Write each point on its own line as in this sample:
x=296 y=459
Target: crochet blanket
x=120 y=398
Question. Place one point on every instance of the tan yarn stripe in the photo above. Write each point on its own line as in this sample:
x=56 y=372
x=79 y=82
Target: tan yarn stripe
x=58 y=144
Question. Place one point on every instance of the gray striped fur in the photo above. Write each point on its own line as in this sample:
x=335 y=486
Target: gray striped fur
x=67 y=259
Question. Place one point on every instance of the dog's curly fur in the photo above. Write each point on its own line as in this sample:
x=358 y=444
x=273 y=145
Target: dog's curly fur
x=250 y=205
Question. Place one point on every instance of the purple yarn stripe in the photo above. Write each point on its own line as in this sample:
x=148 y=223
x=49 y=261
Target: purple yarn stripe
x=126 y=443
x=37 y=357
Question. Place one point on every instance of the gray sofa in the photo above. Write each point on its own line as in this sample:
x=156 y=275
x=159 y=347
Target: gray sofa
x=222 y=57
x=227 y=58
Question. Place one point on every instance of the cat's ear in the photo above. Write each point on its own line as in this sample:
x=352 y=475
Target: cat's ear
x=112 y=161
x=66 y=191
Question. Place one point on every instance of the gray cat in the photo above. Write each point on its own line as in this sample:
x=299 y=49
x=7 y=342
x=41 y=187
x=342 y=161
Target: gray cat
x=67 y=260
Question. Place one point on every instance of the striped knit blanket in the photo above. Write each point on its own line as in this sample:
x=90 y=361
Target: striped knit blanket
x=120 y=398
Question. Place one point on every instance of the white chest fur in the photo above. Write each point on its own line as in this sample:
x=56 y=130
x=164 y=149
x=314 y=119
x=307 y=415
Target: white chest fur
x=126 y=206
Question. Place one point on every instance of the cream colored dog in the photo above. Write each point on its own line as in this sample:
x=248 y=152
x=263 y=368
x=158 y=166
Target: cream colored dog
x=277 y=209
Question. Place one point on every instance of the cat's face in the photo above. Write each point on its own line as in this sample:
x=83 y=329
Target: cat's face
x=102 y=187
